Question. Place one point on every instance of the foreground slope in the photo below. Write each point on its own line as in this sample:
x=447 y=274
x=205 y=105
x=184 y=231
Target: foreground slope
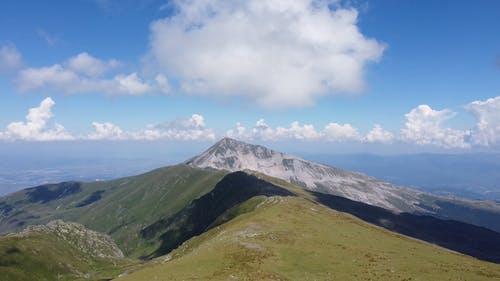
x=120 y=208
x=232 y=155
x=59 y=251
x=240 y=188
x=292 y=238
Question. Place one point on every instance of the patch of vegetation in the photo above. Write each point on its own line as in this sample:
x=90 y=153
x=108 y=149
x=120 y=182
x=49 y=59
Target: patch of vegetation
x=95 y=196
x=47 y=193
x=196 y=218
x=127 y=205
x=5 y=208
x=291 y=238
x=469 y=239
x=44 y=255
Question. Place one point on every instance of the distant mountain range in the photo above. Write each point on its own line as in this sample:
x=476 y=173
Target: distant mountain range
x=241 y=211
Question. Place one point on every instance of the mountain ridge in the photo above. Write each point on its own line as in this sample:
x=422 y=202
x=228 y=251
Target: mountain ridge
x=233 y=155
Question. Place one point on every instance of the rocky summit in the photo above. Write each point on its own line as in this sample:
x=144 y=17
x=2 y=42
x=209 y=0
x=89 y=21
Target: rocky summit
x=232 y=155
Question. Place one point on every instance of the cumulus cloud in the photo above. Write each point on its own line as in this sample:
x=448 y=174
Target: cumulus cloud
x=487 y=113
x=10 y=59
x=184 y=129
x=263 y=131
x=192 y=128
x=332 y=132
x=297 y=131
x=341 y=133
x=107 y=131
x=379 y=135
x=84 y=73
x=163 y=84
x=88 y=65
x=425 y=126
x=278 y=53
x=37 y=126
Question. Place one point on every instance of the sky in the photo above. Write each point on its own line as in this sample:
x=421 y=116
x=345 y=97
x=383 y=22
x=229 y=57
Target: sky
x=308 y=75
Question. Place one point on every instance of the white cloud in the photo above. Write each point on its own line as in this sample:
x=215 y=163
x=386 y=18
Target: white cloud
x=88 y=65
x=192 y=128
x=487 y=113
x=126 y=84
x=379 y=134
x=341 y=133
x=278 y=53
x=86 y=74
x=10 y=58
x=424 y=126
x=37 y=127
x=185 y=129
x=163 y=84
x=240 y=132
x=262 y=131
x=106 y=131
x=297 y=131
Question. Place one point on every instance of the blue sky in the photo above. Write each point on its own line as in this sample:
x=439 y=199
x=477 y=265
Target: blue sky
x=171 y=71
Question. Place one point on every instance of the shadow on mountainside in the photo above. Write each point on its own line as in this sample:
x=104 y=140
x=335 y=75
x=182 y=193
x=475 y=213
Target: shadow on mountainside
x=468 y=239
x=200 y=214
x=235 y=188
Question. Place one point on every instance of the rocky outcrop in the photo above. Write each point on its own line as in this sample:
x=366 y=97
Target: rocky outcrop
x=85 y=240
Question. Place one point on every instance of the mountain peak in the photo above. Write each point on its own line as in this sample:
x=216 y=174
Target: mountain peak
x=231 y=143
x=233 y=155
x=227 y=141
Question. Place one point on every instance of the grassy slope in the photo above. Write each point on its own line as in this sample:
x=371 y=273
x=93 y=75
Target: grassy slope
x=127 y=204
x=45 y=257
x=295 y=239
x=196 y=217
x=288 y=238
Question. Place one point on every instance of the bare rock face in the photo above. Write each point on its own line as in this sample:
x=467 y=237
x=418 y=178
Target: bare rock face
x=232 y=155
x=87 y=241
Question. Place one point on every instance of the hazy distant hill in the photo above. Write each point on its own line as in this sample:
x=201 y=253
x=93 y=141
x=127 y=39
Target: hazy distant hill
x=471 y=175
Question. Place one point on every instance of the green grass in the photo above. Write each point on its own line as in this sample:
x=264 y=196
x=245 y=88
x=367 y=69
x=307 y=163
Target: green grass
x=127 y=205
x=263 y=238
x=287 y=238
x=44 y=257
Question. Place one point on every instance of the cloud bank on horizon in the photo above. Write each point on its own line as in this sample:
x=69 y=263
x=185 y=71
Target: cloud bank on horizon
x=423 y=126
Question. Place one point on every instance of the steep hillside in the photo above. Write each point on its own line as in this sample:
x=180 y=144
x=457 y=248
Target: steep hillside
x=120 y=208
x=233 y=155
x=59 y=251
x=235 y=189
x=202 y=213
x=292 y=238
